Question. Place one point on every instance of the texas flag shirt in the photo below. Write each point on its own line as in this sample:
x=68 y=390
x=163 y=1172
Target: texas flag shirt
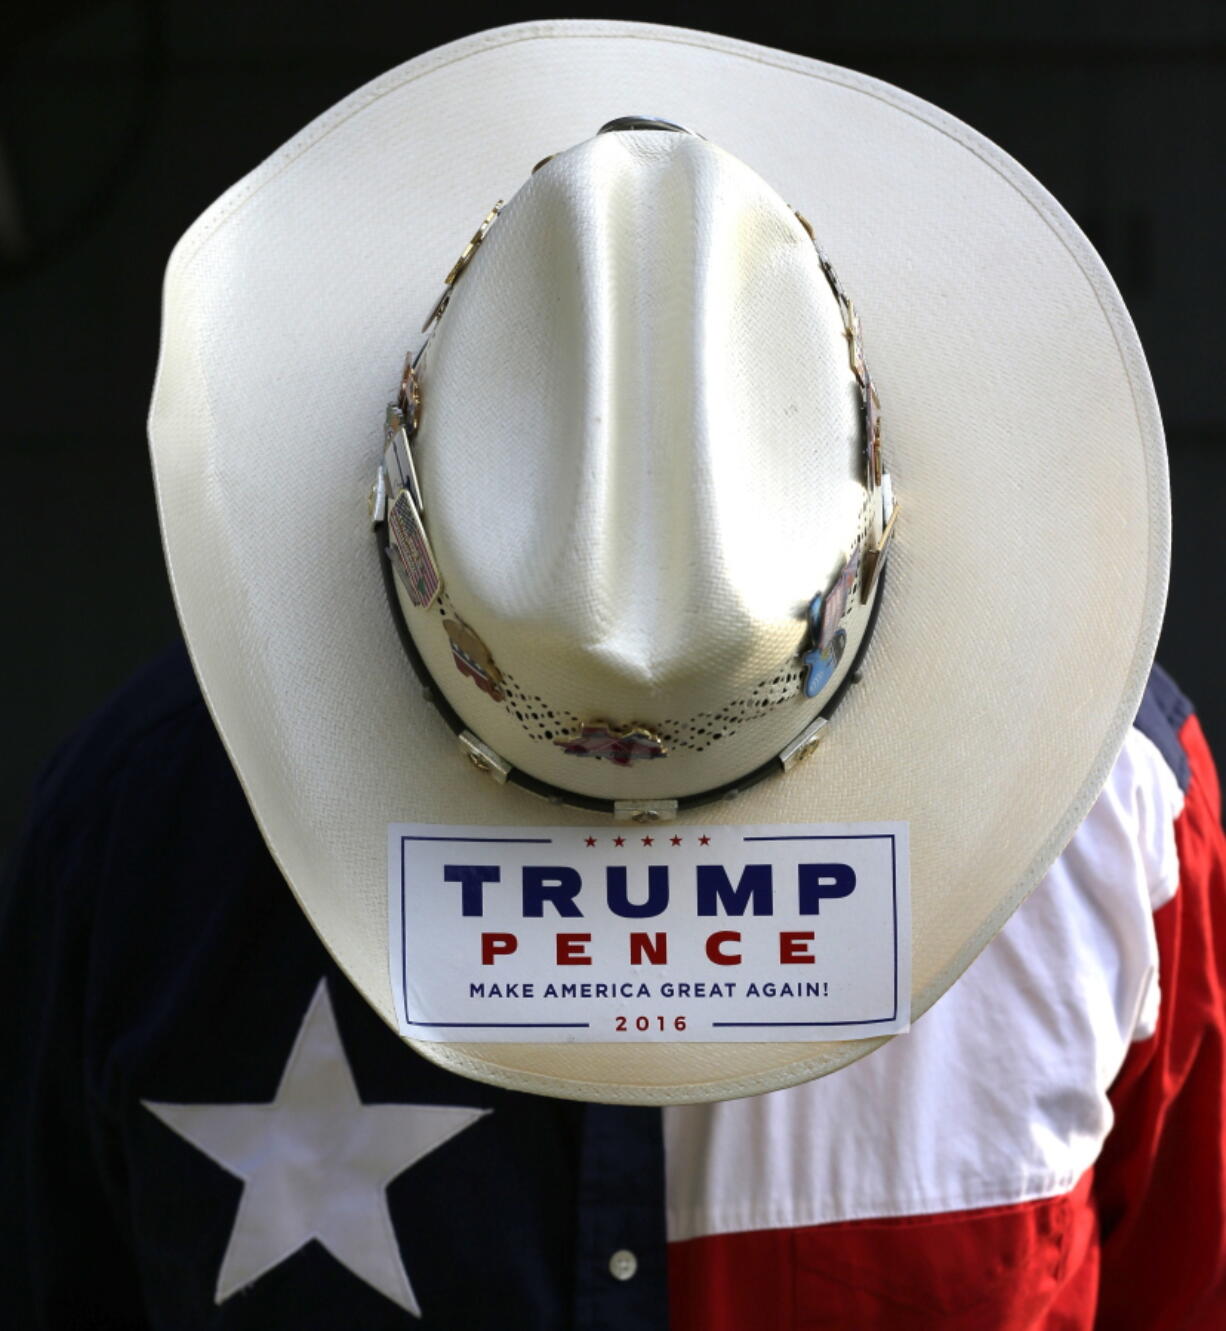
x=204 y=1125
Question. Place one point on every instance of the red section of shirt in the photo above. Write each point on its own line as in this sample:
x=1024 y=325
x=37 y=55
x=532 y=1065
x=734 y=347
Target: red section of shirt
x=1140 y=1242
x=1006 y=1268
x=1162 y=1174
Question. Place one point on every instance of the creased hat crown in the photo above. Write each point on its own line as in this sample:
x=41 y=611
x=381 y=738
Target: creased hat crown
x=641 y=455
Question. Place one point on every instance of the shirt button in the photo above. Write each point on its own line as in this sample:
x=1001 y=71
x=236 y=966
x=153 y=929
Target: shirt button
x=623 y=1264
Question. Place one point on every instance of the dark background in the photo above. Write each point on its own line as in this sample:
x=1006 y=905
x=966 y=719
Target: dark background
x=120 y=122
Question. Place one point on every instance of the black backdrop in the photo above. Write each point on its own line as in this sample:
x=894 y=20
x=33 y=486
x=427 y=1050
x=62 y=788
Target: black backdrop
x=119 y=122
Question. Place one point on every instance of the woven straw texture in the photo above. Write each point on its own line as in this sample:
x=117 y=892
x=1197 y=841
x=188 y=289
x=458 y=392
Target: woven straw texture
x=1026 y=584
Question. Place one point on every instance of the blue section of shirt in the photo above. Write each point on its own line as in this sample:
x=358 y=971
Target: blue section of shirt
x=1160 y=718
x=150 y=950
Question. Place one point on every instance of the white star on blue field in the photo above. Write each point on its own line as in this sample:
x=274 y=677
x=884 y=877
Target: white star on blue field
x=316 y=1162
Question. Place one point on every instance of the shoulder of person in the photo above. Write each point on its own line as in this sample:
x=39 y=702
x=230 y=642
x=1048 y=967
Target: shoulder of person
x=1162 y=717
x=157 y=710
x=109 y=799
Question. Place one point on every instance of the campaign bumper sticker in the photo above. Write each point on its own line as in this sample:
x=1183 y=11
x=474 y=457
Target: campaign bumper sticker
x=615 y=934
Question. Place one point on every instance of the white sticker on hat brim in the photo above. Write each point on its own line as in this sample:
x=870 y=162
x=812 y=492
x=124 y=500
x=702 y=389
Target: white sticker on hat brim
x=611 y=935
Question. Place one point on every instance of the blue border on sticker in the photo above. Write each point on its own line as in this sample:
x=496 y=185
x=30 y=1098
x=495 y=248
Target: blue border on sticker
x=404 y=950
x=830 y=836
x=586 y=1025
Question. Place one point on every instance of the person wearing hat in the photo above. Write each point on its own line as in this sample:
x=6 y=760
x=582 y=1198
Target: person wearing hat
x=654 y=710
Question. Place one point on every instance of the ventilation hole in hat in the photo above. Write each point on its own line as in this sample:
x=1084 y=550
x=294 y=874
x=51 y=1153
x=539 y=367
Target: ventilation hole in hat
x=695 y=733
x=539 y=721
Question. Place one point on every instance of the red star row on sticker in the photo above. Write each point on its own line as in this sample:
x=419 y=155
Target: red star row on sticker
x=647 y=840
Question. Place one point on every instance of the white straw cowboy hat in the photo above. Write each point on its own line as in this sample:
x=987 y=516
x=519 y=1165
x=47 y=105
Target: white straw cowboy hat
x=643 y=547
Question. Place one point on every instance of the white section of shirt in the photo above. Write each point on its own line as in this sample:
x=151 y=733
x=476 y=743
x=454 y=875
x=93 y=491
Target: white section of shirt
x=999 y=1093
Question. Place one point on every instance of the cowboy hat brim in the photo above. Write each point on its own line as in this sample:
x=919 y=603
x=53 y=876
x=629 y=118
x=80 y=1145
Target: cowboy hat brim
x=1026 y=586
